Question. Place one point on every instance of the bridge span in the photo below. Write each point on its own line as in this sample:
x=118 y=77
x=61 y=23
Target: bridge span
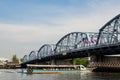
x=97 y=45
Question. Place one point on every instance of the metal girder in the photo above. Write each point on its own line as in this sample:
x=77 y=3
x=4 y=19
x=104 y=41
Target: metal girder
x=33 y=55
x=46 y=50
x=76 y=40
x=25 y=58
x=110 y=32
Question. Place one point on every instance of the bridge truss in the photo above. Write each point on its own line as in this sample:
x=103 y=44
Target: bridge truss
x=25 y=58
x=110 y=32
x=76 y=40
x=86 y=41
x=46 y=50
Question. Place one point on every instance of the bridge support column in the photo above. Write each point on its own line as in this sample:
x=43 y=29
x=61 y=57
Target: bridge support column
x=73 y=61
x=52 y=62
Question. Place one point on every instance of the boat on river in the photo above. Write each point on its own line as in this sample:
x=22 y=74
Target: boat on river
x=52 y=69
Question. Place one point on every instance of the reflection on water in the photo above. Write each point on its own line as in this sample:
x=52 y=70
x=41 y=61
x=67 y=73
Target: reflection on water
x=13 y=75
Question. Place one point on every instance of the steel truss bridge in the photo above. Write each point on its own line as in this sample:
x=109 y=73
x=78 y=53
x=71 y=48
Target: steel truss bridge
x=81 y=44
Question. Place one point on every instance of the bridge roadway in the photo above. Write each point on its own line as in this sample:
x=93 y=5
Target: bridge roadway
x=96 y=50
x=81 y=44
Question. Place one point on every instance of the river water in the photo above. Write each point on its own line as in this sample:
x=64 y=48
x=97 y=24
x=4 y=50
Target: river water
x=14 y=75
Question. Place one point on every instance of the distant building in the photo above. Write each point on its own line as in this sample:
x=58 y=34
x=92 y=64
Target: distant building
x=3 y=62
x=13 y=65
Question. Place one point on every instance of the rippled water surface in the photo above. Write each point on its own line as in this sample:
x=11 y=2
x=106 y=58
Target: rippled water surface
x=14 y=75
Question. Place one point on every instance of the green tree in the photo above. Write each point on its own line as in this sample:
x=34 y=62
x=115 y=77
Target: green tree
x=79 y=61
x=15 y=59
x=21 y=59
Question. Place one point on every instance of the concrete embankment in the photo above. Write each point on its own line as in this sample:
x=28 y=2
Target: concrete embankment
x=106 y=69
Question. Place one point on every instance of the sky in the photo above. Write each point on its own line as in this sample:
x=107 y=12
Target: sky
x=26 y=25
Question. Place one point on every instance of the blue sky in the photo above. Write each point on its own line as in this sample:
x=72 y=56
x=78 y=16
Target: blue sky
x=26 y=25
x=38 y=11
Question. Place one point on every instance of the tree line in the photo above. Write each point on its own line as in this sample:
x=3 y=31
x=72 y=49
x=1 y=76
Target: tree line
x=15 y=58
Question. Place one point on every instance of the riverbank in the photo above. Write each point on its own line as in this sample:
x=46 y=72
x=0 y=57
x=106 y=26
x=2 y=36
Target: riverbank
x=107 y=69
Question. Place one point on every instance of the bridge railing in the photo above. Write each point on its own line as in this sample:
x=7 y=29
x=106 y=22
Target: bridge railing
x=104 y=64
